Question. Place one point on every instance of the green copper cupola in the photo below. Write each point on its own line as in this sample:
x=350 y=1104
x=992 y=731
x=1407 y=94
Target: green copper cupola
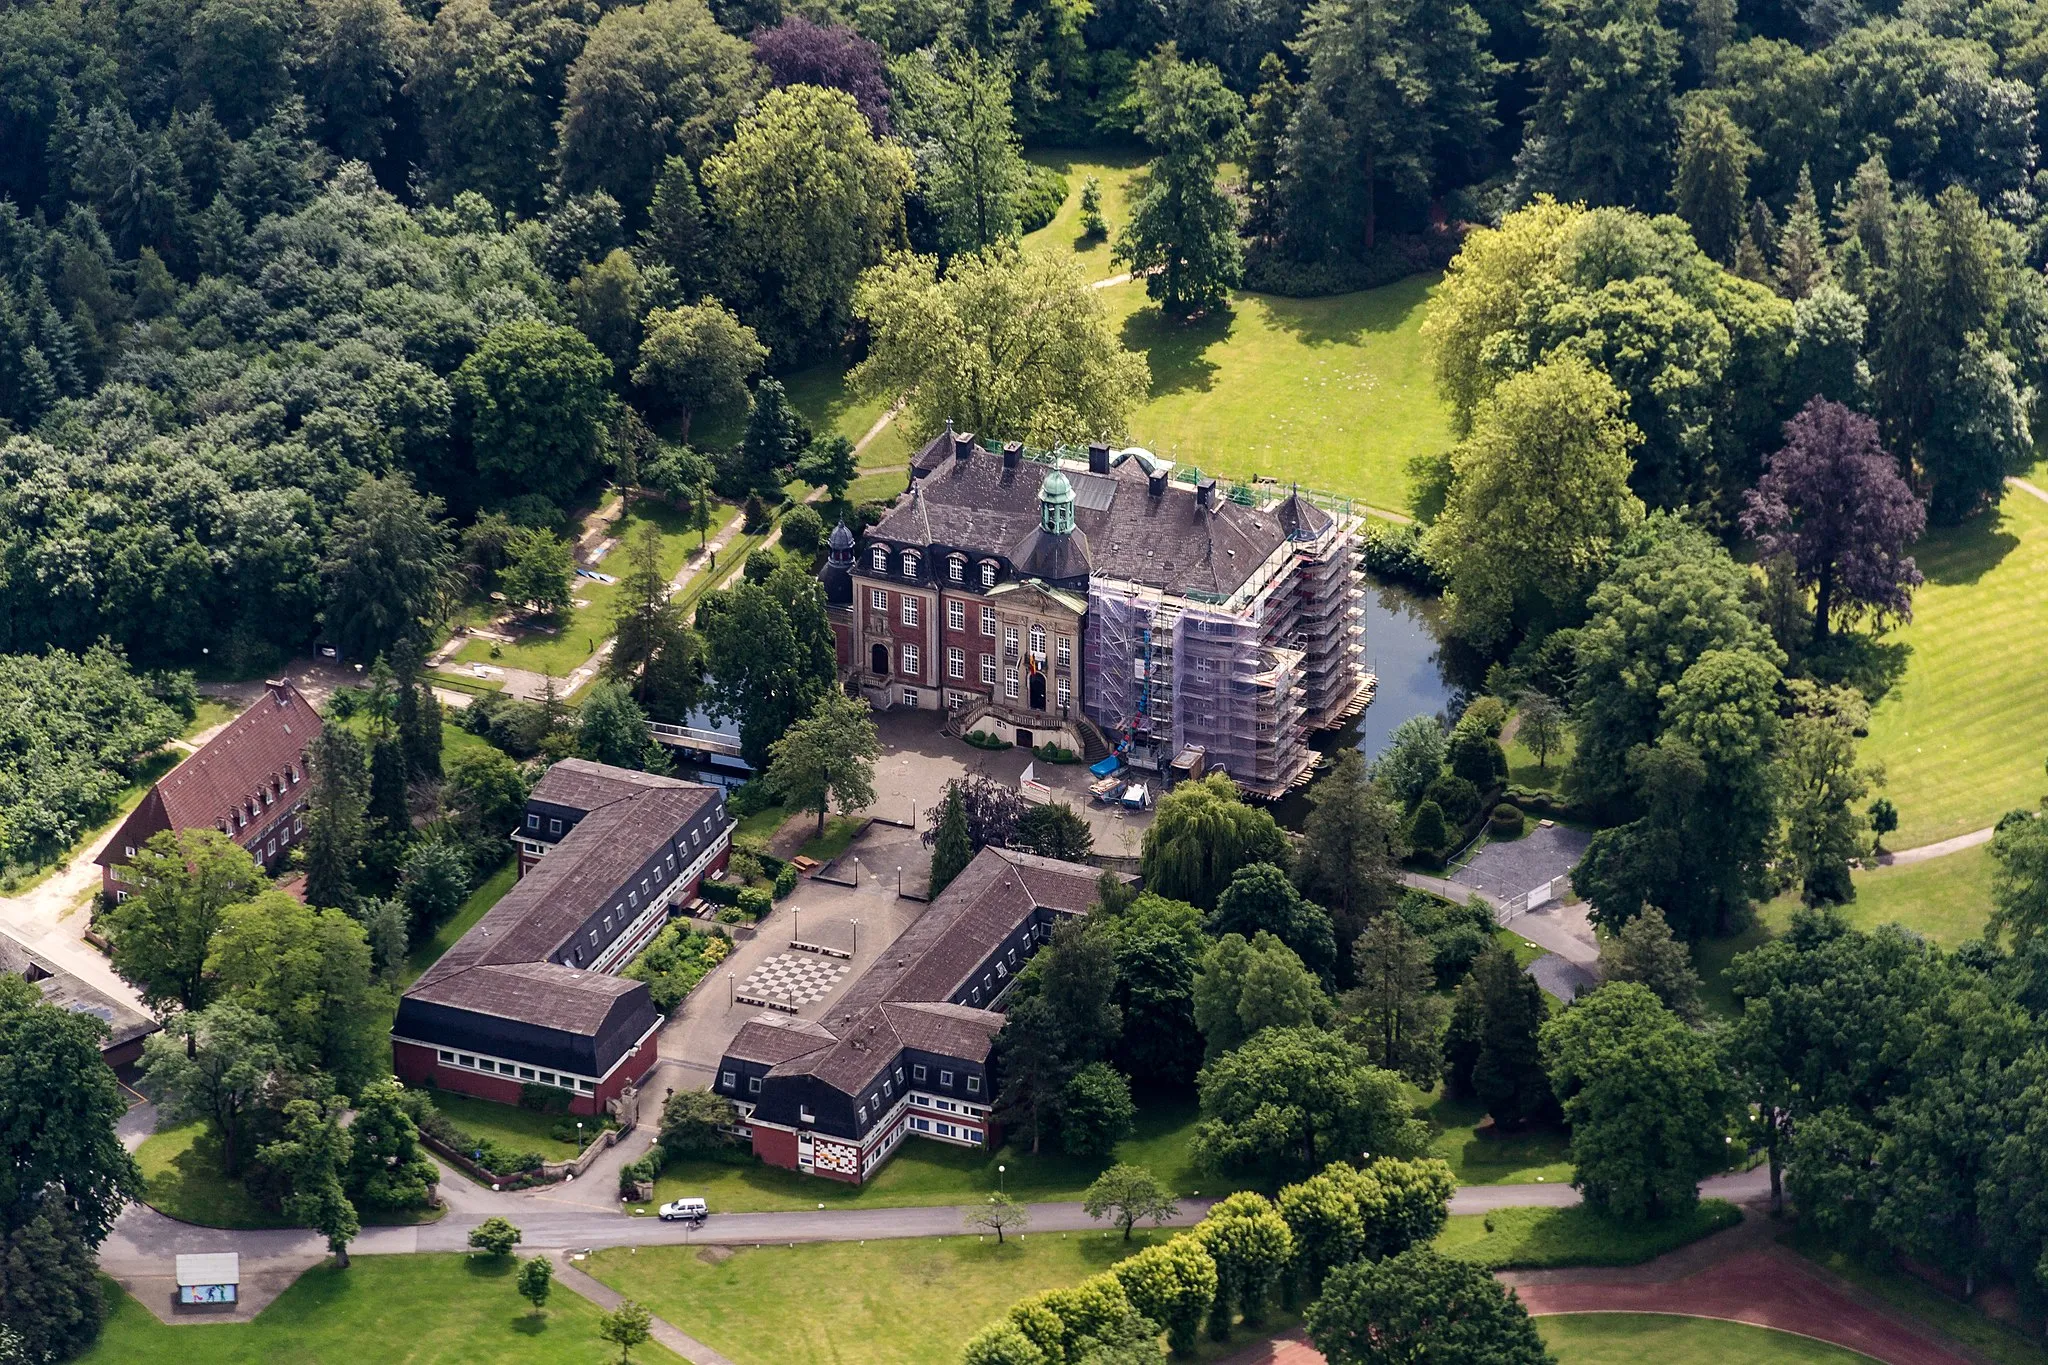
x=1056 y=504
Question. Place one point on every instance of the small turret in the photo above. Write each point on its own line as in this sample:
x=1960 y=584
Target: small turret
x=837 y=574
x=1056 y=505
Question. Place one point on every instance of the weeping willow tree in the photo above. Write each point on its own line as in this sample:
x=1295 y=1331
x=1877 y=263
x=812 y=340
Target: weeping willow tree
x=1202 y=834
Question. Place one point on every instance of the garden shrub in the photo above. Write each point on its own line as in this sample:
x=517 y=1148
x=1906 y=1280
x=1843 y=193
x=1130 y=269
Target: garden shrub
x=544 y=1099
x=675 y=962
x=785 y=881
x=720 y=893
x=755 y=903
x=1427 y=833
x=1055 y=753
x=732 y=914
x=744 y=867
x=1045 y=189
x=982 y=740
x=1456 y=797
x=749 y=798
x=1505 y=822
x=1488 y=714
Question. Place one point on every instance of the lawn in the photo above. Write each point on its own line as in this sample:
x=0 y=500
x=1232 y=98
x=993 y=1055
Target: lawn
x=925 y=1172
x=820 y=394
x=1916 y=1298
x=182 y=1170
x=877 y=487
x=1532 y=1238
x=1335 y=392
x=382 y=1310
x=898 y=1302
x=1062 y=236
x=839 y=832
x=1478 y=1156
x=1946 y=899
x=522 y=1130
x=181 y=1166
x=1629 y=1338
x=1960 y=734
x=562 y=649
x=425 y=955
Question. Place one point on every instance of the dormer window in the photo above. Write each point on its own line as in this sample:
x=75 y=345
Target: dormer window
x=910 y=563
x=988 y=574
x=956 y=568
x=881 y=560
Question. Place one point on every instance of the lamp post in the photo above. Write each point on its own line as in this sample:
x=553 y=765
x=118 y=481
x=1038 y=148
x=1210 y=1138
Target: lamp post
x=856 y=936
x=796 y=925
x=1002 y=1183
x=899 y=881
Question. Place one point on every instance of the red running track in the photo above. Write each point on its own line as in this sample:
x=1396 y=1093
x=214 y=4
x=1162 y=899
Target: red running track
x=1765 y=1287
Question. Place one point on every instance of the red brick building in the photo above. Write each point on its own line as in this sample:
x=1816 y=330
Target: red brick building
x=248 y=782
x=531 y=995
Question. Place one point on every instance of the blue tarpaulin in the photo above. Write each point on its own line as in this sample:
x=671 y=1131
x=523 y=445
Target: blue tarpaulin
x=1106 y=766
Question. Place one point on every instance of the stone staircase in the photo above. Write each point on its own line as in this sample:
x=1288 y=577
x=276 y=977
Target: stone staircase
x=1095 y=745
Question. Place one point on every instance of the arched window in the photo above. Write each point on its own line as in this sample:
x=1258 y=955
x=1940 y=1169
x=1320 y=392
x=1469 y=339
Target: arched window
x=881 y=559
x=988 y=573
x=956 y=568
x=1038 y=641
x=910 y=563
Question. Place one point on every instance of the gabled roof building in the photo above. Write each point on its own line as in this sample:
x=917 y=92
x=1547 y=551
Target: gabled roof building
x=907 y=1052
x=530 y=995
x=248 y=782
x=1180 y=618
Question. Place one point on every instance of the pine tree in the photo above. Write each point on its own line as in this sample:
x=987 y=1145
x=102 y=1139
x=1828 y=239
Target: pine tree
x=1803 y=262
x=1272 y=110
x=954 y=850
x=387 y=785
x=675 y=235
x=335 y=825
x=418 y=715
x=775 y=436
x=1713 y=179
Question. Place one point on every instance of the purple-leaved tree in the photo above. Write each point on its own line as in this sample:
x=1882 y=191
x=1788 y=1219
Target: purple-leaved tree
x=799 y=52
x=1833 y=501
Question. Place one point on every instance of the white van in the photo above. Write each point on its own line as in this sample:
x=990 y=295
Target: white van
x=685 y=1210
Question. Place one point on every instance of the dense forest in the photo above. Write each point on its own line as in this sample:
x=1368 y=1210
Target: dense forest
x=292 y=292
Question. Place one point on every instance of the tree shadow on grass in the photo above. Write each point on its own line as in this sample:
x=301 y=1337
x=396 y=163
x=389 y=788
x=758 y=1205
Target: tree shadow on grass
x=529 y=1324
x=1176 y=350
x=1956 y=556
x=1347 y=319
x=1871 y=665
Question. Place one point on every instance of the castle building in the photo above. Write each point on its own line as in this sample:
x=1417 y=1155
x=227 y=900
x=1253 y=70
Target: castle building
x=1039 y=595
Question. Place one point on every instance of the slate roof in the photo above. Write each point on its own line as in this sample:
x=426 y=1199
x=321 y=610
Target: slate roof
x=500 y=969
x=1168 y=541
x=902 y=999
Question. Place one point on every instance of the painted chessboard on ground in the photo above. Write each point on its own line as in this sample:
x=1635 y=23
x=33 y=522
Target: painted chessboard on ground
x=790 y=981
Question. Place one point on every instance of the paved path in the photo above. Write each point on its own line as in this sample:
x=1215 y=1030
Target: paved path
x=1907 y=856
x=1561 y=929
x=2025 y=487
x=608 y=1298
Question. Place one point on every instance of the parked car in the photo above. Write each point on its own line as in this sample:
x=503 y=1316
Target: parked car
x=685 y=1210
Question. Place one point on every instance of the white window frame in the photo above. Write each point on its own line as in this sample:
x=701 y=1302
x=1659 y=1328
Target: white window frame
x=878 y=600
x=1066 y=692
x=1009 y=639
x=910 y=697
x=988 y=669
x=956 y=568
x=956 y=614
x=1010 y=683
x=909 y=609
x=911 y=563
x=1063 y=650
x=910 y=658
x=880 y=559
x=988 y=574
x=1038 y=641
x=956 y=663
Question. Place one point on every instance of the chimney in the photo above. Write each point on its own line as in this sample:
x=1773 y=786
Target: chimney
x=1158 y=483
x=1098 y=458
x=1205 y=493
x=1013 y=451
x=963 y=446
